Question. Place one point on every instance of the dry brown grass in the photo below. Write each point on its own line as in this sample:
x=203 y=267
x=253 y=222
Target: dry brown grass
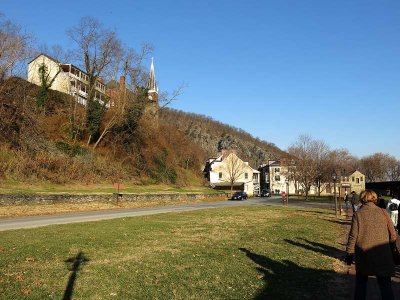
x=64 y=207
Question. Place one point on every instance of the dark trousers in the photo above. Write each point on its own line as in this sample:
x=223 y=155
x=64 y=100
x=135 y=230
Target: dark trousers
x=385 y=285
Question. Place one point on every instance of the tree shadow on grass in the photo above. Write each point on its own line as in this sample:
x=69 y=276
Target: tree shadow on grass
x=304 y=210
x=74 y=265
x=319 y=248
x=288 y=280
x=341 y=222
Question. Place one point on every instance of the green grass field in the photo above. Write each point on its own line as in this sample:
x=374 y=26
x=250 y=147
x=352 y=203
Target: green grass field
x=230 y=253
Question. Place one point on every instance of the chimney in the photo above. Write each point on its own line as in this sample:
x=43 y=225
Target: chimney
x=122 y=85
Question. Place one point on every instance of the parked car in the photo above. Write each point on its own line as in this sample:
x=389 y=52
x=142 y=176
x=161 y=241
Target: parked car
x=265 y=193
x=239 y=196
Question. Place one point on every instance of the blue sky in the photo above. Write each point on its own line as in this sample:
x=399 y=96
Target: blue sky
x=277 y=69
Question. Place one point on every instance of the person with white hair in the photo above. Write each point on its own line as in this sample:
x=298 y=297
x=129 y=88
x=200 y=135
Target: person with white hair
x=393 y=210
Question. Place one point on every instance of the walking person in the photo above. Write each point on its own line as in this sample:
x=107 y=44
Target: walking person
x=369 y=245
x=346 y=202
x=354 y=201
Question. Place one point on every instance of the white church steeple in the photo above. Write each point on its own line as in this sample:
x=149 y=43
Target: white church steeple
x=152 y=83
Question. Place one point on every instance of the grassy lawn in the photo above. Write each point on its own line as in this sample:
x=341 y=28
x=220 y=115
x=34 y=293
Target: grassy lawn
x=230 y=253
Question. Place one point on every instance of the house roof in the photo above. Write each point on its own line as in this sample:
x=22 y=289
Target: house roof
x=221 y=158
x=274 y=163
x=48 y=56
x=351 y=173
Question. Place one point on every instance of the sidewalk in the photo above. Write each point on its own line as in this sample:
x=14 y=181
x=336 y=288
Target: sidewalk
x=373 y=292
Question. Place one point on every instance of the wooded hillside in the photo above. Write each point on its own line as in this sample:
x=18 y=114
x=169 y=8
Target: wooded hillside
x=212 y=136
x=46 y=144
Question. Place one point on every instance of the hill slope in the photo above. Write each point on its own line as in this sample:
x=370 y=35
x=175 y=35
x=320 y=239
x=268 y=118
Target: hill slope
x=212 y=136
x=38 y=145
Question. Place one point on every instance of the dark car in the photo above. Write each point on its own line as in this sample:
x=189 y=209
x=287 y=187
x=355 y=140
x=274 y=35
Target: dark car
x=239 y=196
x=265 y=193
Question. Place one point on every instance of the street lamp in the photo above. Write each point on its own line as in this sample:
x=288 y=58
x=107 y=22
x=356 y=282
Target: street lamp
x=287 y=191
x=334 y=177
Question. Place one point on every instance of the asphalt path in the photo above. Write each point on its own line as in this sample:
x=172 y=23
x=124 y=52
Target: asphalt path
x=78 y=217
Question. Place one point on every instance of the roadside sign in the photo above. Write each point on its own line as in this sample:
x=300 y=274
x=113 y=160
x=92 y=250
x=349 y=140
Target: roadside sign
x=119 y=186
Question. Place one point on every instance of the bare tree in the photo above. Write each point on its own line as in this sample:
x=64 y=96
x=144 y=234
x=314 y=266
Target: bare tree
x=97 y=50
x=320 y=152
x=342 y=161
x=166 y=98
x=303 y=151
x=374 y=167
x=380 y=167
x=15 y=47
x=392 y=168
x=132 y=70
x=234 y=168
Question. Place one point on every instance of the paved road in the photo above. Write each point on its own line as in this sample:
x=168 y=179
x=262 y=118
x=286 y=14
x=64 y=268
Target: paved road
x=38 y=221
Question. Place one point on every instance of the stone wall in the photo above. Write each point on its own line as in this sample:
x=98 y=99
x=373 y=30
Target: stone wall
x=22 y=199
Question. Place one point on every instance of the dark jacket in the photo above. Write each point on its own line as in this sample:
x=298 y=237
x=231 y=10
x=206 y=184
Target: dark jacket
x=355 y=199
x=369 y=241
x=398 y=219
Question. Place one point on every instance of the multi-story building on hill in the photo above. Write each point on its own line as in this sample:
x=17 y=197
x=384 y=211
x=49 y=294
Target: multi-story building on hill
x=65 y=78
x=69 y=79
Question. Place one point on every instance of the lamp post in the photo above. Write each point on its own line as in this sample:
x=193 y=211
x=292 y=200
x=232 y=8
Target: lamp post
x=334 y=177
x=287 y=191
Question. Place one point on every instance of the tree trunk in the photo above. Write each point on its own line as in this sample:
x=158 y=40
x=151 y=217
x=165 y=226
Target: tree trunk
x=88 y=142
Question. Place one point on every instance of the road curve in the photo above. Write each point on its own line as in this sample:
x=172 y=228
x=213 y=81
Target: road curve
x=66 y=218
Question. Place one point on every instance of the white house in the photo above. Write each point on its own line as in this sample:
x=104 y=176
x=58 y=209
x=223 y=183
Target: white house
x=228 y=169
x=68 y=78
x=279 y=179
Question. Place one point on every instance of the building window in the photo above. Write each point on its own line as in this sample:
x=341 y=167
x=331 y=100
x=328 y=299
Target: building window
x=361 y=178
x=220 y=175
x=357 y=180
x=246 y=175
x=75 y=72
x=277 y=178
x=277 y=170
x=352 y=178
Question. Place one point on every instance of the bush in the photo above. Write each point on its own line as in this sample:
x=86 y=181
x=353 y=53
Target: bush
x=71 y=150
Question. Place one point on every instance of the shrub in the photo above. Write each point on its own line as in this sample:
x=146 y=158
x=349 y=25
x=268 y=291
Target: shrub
x=71 y=150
